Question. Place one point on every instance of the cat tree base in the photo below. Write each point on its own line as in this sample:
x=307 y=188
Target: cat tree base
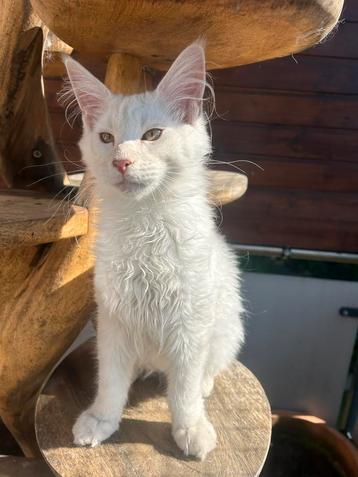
x=238 y=409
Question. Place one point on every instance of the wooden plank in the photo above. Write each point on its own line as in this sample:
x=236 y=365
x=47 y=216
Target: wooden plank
x=340 y=43
x=283 y=204
x=287 y=141
x=238 y=409
x=257 y=229
x=28 y=218
x=312 y=74
x=296 y=173
x=290 y=108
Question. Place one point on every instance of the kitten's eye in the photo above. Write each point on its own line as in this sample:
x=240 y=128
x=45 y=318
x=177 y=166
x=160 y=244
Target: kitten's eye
x=152 y=134
x=106 y=137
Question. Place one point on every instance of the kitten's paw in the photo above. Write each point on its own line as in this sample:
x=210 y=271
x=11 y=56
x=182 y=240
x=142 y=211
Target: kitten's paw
x=197 y=440
x=207 y=386
x=91 y=430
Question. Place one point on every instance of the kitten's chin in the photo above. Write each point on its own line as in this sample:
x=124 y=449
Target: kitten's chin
x=134 y=189
x=131 y=187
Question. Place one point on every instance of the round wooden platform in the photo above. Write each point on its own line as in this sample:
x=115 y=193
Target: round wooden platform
x=238 y=409
x=236 y=32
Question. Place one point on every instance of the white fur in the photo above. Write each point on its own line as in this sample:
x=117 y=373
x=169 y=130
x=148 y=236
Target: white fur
x=166 y=282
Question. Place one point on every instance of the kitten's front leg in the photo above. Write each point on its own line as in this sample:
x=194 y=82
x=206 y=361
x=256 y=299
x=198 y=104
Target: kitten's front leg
x=115 y=368
x=191 y=430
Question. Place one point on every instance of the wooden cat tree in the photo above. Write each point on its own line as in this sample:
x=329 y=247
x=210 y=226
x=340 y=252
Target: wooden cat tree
x=46 y=262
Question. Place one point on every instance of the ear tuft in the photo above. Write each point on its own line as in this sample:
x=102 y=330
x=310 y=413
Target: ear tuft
x=85 y=89
x=184 y=84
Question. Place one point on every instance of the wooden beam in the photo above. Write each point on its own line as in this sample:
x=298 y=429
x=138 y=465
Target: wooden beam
x=32 y=218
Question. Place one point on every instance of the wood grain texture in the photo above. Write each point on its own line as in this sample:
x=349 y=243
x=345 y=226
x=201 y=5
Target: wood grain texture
x=235 y=35
x=287 y=107
x=45 y=299
x=238 y=409
x=125 y=74
x=23 y=114
x=30 y=218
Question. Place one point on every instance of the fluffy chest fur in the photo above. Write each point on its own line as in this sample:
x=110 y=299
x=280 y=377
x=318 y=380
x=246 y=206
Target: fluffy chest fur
x=154 y=265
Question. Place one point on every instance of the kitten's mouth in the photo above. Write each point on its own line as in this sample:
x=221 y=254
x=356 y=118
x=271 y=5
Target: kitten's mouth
x=130 y=185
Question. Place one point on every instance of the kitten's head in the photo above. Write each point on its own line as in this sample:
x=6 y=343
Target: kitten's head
x=138 y=144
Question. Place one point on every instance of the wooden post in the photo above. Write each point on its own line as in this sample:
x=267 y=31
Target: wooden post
x=46 y=297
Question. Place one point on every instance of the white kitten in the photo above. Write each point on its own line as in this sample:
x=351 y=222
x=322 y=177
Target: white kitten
x=166 y=282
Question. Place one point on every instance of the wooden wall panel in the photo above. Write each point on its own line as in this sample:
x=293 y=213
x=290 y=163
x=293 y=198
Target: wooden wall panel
x=259 y=229
x=294 y=173
x=289 y=141
x=297 y=119
x=283 y=204
x=302 y=73
x=287 y=107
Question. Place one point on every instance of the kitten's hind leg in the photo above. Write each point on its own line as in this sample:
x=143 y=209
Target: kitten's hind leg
x=227 y=339
x=115 y=368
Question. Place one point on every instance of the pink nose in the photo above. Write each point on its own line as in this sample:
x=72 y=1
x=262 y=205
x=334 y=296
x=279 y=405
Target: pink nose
x=121 y=165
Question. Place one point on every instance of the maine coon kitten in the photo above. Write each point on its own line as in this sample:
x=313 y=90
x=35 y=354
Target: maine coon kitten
x=166 y=282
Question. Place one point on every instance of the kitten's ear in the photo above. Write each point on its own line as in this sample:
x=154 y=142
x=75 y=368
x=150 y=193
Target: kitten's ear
x=90 y=93
x=184 y=84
